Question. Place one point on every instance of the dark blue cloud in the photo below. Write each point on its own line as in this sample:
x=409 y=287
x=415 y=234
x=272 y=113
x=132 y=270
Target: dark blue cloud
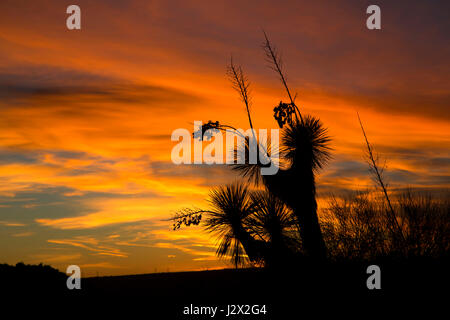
x=7 y=157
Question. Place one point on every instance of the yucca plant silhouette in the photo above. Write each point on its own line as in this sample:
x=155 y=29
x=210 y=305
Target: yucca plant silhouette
x=251 y=225
x=231 y=208
x=305 y=148
x=263 y=223
x=273 y=221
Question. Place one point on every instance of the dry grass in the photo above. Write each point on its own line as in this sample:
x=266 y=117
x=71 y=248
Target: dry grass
x=359 y=226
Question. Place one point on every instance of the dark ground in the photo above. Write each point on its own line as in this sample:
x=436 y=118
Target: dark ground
x=327 y=288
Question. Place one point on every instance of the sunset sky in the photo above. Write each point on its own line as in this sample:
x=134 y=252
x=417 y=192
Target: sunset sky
x=86 y=115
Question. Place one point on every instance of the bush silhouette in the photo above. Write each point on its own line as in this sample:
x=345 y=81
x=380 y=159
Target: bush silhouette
x=25 y=279
x=358 y=227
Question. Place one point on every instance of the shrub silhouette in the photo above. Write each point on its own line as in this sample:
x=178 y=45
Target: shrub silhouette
x=358 y=228
x=24 y=279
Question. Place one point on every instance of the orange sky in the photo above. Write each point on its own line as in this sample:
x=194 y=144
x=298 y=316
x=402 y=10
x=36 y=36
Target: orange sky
x=86 y=116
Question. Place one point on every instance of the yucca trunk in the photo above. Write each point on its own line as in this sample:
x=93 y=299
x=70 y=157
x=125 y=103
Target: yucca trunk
x=305 y=209
x=253 y=248
x=299 y=193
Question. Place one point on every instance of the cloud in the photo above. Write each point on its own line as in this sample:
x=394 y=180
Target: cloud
x=23 y=234
x=16 y=157
x=201 y=254
x=56 y=258
x=48 y=87
x=210 y=175
x=103 y=265
x=12 y=224
x=391 y=101
x=115 y=211
x=90 y=244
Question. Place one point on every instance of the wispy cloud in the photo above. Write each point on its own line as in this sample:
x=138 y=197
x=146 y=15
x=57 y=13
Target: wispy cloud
x=90 y=244
x=12 y=224
x=23 y=234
